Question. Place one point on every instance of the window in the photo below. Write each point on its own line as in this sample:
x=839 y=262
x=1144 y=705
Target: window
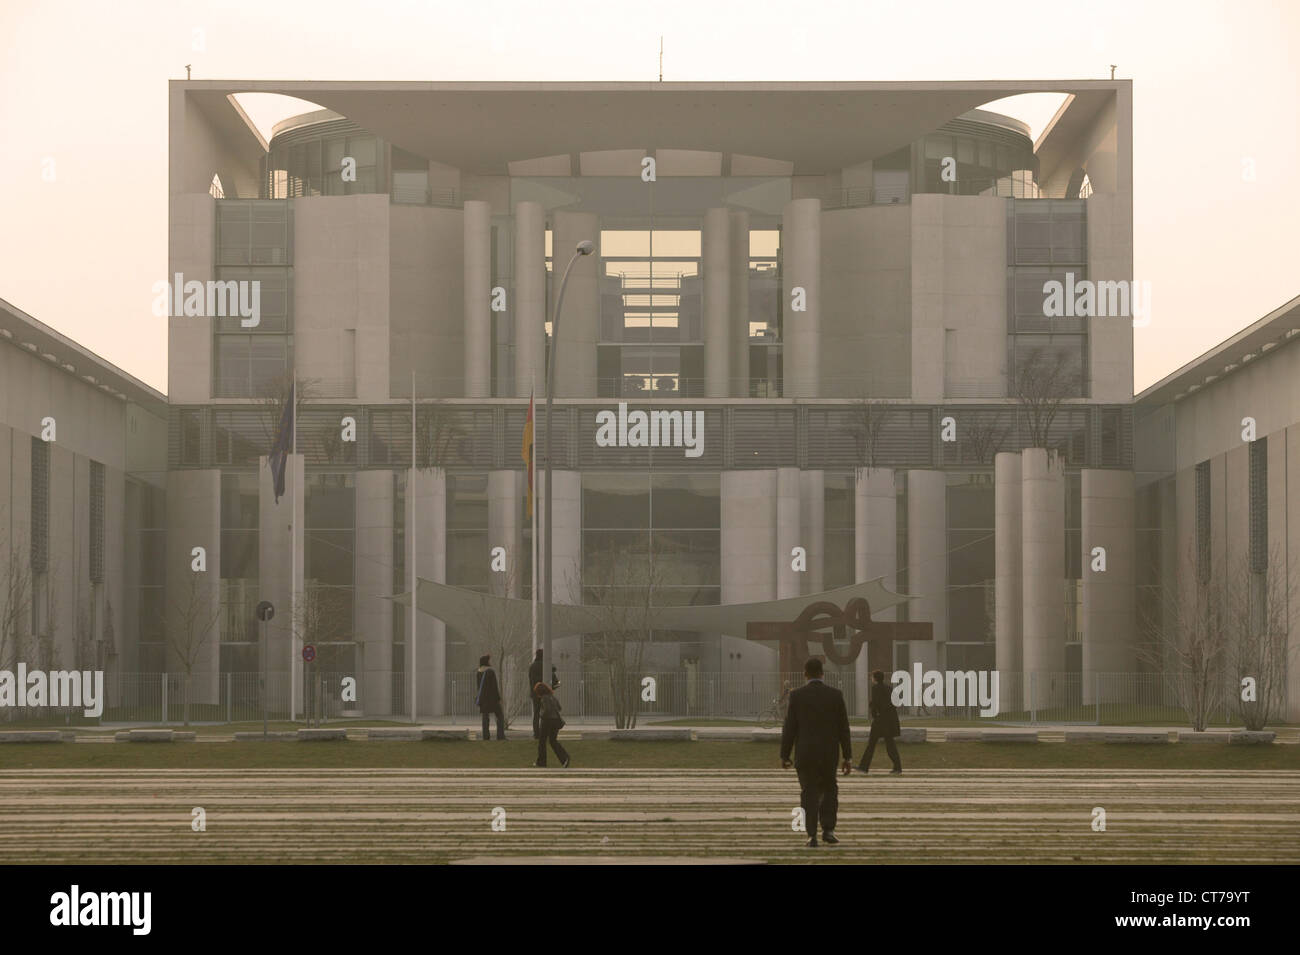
x=1259 y=506
x=1203 y=522
x=96 y=521
x=40 y=506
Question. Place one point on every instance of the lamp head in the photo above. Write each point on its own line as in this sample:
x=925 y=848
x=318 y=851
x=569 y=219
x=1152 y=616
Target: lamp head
x=586 y=247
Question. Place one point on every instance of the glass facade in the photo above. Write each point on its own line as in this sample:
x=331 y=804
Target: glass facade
x=239 y=572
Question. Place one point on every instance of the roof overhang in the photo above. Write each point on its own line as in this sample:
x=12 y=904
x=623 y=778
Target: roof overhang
x=480 y=127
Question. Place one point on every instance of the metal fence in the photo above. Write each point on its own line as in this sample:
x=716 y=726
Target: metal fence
x=1102 y=698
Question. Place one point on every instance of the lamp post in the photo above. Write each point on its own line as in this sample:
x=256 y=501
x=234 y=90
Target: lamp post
x=585 y=247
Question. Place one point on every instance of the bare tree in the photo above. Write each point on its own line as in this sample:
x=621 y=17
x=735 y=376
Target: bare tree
x=1188 y=642
x=15 y=608
x=439 y=440
x=983 y=437
x=866 y=421
x=195 y=617
x=1256 y=611
x=272 y=397
x=622 y=595
x=1042 y=381
x=321 y=615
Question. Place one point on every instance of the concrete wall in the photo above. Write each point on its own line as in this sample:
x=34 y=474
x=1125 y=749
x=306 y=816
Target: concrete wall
x=191 y=236
x=374 y=581
x=959 y=299
x=866 y=323
x=426 y=299
x=341 y=294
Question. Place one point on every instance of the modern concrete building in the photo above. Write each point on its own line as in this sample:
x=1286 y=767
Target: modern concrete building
x=844 y=280
x=1218 y=440
x=83 y=476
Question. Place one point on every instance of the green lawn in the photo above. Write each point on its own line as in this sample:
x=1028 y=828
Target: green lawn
x=628 y=755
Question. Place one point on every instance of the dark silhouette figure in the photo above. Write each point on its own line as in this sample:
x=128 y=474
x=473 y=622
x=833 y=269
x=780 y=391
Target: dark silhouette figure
x=884 y=724
x=817 y=728
x=534 y=678
x=488 y=697
x=551 y=724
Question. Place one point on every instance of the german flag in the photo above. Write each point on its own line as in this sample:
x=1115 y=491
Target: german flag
x=526 y=452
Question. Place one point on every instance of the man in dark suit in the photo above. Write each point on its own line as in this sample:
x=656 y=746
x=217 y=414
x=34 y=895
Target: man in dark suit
x=488 y=697
x=817 y=728
x=534 y=678
x=884 y=724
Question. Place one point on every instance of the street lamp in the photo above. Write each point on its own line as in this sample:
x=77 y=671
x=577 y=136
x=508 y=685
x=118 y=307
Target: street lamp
x=585 y=247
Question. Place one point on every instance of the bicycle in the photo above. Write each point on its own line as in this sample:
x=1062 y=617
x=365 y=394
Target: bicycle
x=774 y=715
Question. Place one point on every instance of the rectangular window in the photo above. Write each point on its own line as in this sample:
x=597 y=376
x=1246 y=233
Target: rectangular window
x=96 y=521
x=1259 y=506
x=1203 y=522
x=40 y=506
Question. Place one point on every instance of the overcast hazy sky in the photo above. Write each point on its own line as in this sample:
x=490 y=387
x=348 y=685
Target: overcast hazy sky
x=84 y=84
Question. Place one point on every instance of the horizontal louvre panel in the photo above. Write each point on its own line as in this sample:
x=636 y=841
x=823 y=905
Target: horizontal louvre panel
x=763 y=438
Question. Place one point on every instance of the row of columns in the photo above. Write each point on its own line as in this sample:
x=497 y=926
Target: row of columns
x=765 y=515
x=725 y=288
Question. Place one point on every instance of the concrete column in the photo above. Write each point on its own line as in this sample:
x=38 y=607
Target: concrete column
x=1042 y=531
x=575 y=362
x=193 y=520
x=801 y=262
x=1108 y=513
x=749 y=558
x=428 y=494
x=875 y=539
x=374 y=581
x=1009 y=571
x=927 y=560
x=280 y=528
x=566 y=580
x=812 y=527
x=716 y=267
x=529 y=305
x=789 y=535
x=739 y=365
x=504 y=514
x=478 y=294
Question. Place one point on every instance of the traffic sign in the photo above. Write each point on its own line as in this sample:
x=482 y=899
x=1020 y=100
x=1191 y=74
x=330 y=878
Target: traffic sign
x=308 y=653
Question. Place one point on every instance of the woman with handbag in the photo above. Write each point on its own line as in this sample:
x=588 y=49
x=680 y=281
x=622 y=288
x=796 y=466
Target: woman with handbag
x=550 y=722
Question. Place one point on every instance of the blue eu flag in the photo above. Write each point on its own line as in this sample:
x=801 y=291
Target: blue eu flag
x=279 y=456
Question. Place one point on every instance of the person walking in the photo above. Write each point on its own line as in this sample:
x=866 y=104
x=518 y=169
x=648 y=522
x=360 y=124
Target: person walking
x=817 y=728
x=534 y=678
x=488 y=697
x=884 y=725
x=551 y=724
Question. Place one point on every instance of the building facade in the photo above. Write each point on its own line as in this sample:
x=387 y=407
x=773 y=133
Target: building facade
x=842 y=283
x=83 y=478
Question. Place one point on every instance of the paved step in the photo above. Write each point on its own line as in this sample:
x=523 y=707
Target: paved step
x=155 y=736
x=322 y=735
x=117 y=816
x=415 y=733
x=659 y=734
x=32 y=736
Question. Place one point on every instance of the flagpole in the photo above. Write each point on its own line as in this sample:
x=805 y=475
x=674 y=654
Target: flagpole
x=294 y=624
x=410 y=491
x=532 y=485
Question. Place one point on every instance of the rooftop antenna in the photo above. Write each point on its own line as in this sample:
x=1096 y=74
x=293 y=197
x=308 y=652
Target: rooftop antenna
x=661 y=58
x=1112 y=71
x=187 y=71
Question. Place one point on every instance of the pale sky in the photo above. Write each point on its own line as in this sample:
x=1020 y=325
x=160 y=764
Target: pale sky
x=85 y=84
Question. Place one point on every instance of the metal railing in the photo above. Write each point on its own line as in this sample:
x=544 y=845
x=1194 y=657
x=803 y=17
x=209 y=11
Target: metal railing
x=1035 y=698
